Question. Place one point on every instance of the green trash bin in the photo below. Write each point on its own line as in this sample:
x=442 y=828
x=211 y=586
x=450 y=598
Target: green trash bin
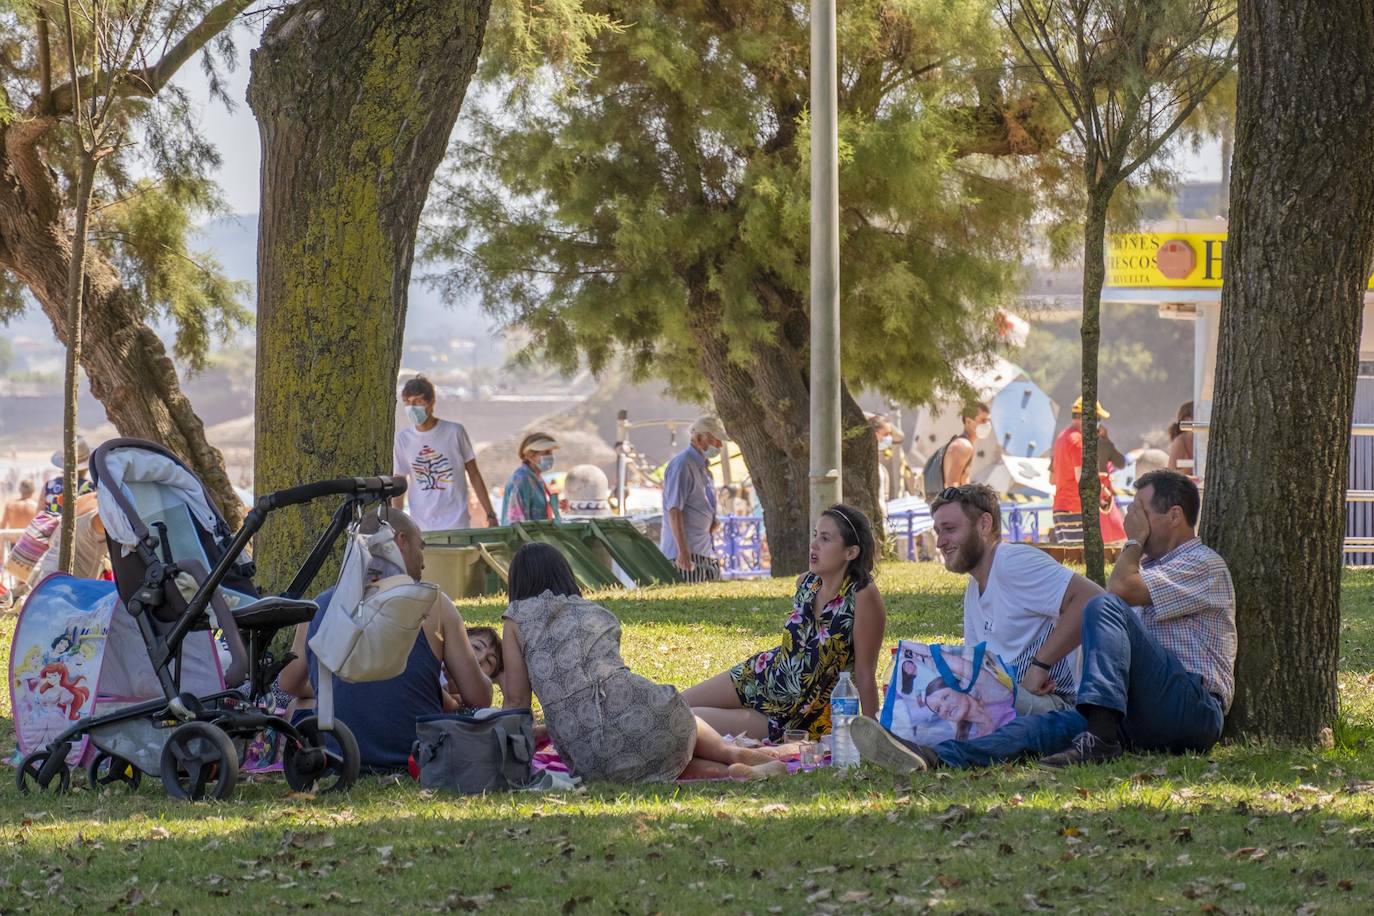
x=639 y=557
x=590 y=548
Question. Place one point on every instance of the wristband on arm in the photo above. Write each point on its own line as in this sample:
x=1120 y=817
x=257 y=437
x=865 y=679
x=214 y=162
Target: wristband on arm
x=1037 y=663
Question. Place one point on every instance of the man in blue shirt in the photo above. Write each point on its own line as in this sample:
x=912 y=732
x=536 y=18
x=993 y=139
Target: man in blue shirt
x=689 y=503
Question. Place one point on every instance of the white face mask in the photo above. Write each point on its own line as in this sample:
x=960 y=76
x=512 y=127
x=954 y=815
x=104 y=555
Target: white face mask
x=983 y=430
x=884 y=443
x=417 y=414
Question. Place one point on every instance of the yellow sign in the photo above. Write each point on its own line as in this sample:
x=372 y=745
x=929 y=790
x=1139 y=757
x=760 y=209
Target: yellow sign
x=1182 y=260
x=1189 y=260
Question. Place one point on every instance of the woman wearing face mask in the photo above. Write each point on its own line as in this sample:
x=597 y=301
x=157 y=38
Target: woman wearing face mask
x=527 y=497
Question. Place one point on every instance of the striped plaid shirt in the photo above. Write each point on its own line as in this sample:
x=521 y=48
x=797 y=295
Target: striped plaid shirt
x=1192 y=613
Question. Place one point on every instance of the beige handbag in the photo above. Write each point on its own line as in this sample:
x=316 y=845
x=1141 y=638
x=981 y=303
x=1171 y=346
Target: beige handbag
x=369 y=628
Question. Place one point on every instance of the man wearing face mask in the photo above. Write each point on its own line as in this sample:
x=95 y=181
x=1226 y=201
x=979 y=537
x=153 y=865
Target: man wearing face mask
x=527 y=497
x=437 y=458
x=952 y=463
x=689 y=503
x=882 y=431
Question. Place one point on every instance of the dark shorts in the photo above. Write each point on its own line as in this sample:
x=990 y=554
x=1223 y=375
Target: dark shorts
x=704 y=569
x=1068 y=527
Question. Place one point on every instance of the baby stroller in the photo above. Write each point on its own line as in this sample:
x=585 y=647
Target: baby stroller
x=178 y=573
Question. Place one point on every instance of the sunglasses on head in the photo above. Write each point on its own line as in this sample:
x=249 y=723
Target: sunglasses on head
x=965 y=496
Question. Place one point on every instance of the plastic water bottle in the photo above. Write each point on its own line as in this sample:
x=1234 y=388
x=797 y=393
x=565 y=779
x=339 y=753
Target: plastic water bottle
x=844 y=706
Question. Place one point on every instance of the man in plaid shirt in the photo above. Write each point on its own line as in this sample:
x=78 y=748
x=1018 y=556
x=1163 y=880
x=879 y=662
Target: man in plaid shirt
x=1159 y=650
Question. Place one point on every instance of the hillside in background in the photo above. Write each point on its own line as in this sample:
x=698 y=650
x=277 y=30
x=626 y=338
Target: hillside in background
x=1146 y=371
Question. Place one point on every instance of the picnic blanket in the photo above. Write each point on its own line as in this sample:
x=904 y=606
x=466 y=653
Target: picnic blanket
x=546 y=757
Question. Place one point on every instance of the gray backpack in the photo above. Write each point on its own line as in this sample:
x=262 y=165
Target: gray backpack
x=471 y=755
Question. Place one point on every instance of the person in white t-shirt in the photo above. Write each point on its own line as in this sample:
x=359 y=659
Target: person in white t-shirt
x=1024 y=605
x=437 y=459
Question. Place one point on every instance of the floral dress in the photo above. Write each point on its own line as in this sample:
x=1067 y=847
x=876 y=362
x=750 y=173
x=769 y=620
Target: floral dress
x=791 y=684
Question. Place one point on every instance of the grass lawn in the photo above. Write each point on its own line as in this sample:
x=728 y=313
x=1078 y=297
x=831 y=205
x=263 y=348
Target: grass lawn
x=1248 y=829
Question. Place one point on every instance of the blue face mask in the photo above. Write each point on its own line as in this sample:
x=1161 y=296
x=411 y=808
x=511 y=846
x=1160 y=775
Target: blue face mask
x=417 y=414
x=546 y=463
x=711 y=452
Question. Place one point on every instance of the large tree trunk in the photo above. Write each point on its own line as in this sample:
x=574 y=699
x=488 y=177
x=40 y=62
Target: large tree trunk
x=125 y=362
x=355 y=104
x=766 y=409
x=1296 y=264
x=1094 y=274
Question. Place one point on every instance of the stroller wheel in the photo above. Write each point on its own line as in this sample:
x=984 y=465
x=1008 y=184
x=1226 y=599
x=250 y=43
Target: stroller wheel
x=28 y=776
x=199 y=761
x=320 y=764
x=112 y=770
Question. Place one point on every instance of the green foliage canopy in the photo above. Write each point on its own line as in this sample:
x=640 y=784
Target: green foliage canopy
x=153 y=188
x=666 y=195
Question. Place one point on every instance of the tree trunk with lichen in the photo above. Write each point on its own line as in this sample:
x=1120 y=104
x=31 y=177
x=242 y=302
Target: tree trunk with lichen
x=355 y=104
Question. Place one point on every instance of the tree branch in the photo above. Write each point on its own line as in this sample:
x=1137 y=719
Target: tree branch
x=1068 y=103
x=44 y=64
x=1184 y=113
x=146 y=82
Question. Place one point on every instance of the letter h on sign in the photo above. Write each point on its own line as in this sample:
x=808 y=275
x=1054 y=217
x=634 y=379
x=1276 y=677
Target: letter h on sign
x=1212 y=259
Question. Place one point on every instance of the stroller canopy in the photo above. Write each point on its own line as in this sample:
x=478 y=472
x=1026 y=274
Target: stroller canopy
x=139 y=483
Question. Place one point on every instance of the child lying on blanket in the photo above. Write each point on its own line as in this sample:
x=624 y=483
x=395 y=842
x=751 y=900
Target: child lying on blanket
x=486 y=645
x=608 y=723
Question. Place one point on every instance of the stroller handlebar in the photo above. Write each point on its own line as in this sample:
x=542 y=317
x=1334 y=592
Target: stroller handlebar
x=377 y=487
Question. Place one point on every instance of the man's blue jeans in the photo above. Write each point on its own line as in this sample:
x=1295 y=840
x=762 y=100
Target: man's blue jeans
x=1164 y=706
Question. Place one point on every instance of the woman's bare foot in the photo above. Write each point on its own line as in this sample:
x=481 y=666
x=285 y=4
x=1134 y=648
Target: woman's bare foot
x=756 y=756
x=747 y=773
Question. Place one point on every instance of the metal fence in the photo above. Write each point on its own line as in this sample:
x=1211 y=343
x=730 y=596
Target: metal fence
x=1020 y=524
x=1358 y=546
x=742 y=545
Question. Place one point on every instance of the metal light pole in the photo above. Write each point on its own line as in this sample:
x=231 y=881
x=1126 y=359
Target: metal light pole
x=825 y=264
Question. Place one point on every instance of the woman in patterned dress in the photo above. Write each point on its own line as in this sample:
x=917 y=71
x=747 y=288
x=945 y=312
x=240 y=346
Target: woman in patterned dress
x=607 y=722
x=837 y=624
